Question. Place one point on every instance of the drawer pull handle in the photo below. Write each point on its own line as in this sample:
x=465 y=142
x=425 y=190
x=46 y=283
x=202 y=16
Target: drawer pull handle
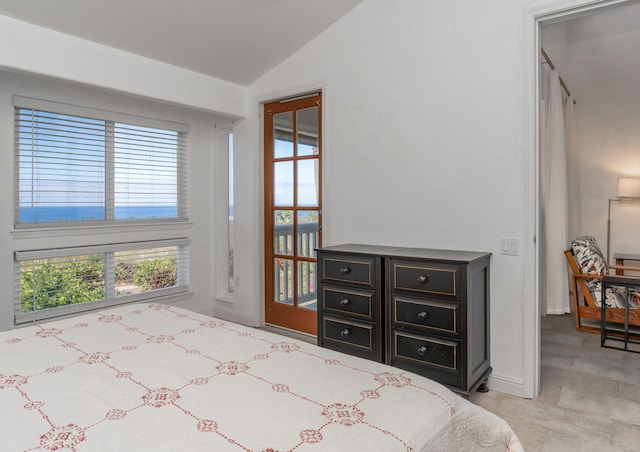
x=344 y=302
x=422 y=315
x=345 y=332
x=422 y=279
x=422 y=351
x=345 y=270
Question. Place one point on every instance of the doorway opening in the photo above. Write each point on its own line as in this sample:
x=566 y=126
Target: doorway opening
x=580 y=25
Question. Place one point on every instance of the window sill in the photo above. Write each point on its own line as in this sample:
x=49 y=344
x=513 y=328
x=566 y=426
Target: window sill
x=93 y=229
x=95 y=306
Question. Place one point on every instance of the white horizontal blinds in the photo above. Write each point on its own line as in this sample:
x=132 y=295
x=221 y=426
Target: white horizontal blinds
x=149 y=173
x=31 y=103
x=110 y=247
x=56 y=282
x=60 y=167
x=72 y=168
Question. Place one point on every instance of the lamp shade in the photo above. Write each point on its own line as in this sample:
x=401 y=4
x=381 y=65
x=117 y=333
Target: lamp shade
x=628 y=188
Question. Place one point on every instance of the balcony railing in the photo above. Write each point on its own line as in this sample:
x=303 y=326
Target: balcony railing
x=283 y=244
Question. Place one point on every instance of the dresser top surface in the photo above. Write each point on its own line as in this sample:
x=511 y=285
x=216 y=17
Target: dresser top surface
x=406 y=252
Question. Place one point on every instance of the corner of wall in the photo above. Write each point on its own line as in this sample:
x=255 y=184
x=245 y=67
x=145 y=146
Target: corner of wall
x=225 y=310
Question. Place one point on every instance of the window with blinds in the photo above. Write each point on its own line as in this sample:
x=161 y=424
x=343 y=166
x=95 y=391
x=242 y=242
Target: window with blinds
x=119 y=181
x=51 y=283
x=72 y=169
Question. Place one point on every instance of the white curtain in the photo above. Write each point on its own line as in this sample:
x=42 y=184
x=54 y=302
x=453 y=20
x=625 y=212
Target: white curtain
x=573 y=169
x=555 y=201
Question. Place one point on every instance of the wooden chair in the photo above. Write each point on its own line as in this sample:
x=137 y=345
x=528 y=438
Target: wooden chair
x=589 y=309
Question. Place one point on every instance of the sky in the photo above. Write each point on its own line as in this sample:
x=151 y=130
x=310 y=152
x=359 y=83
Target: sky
x=62 y=162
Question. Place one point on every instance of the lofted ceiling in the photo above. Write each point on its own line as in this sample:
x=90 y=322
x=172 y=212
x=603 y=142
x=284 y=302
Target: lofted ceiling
x=233 y=40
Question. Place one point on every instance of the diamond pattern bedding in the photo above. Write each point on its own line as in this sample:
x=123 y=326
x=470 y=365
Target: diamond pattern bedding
x=158 y=378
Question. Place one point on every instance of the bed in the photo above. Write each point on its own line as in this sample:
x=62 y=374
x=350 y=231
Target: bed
x=153 y=377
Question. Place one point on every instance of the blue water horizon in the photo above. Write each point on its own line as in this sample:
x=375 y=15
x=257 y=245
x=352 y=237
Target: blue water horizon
x=48 y=214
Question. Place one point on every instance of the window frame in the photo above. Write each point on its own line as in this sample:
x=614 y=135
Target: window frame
x=223 y=230
x=230 y=206
x=110 y=299
x=31 y=239
x=111 y=118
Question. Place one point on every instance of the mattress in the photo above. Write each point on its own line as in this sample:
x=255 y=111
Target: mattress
x=152 y=377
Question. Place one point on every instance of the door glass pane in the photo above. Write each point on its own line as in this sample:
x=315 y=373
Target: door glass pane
x=307 y=297
x=283 y=281
x=283 y=135
x=307 y=126
x=307 y=233
x=308 y=183
x=283 y=183
x=283 y=232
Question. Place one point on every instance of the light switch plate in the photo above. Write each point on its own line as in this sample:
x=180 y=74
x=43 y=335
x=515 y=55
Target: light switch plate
x=510 y=246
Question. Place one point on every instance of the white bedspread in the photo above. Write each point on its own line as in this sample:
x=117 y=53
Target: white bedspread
x=159 y=378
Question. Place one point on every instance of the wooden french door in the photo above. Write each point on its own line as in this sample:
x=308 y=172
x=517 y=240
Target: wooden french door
x=293 y=215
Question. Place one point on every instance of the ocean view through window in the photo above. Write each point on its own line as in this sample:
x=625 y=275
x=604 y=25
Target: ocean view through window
x=73 y=169
x=48 y=214
x=97 y=173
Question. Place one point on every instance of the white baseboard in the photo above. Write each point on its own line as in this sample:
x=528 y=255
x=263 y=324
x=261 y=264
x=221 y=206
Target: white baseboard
x=507 y=385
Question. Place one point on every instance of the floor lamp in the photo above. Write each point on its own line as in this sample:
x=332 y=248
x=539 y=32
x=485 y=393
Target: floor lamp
x=628 y=188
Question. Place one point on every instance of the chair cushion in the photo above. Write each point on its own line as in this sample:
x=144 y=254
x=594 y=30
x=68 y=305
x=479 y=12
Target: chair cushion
x=589 y=256
x=615 y=296
x=591 y=261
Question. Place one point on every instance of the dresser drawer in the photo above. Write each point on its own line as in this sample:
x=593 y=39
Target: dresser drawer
x=426 y=278
x=343 y=301
x=353 y=270
x=353 y=334
x=439 y=354
x=430 y=315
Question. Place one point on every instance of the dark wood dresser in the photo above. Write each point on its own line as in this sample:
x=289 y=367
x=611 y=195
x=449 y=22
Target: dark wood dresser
x=422 y=310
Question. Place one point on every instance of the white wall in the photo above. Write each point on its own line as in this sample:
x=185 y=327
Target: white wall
x=597 y=56
x=423 y=117
x=202 y=137
x=605 y=73
x=29 y=48
x=423 y=136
